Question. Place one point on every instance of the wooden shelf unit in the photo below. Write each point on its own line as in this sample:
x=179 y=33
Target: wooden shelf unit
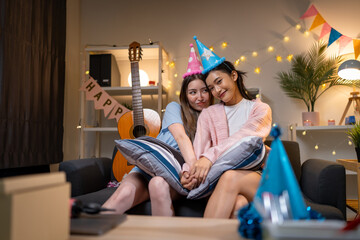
x=154 y=58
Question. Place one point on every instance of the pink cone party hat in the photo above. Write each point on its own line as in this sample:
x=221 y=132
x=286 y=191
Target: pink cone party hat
x=209 y=59
x=194 y=65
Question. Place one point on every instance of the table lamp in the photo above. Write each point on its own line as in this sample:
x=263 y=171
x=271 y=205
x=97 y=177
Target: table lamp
x=350 y=70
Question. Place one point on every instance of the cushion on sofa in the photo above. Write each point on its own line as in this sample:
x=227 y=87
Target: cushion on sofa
x=248 y=153
x=154 y=157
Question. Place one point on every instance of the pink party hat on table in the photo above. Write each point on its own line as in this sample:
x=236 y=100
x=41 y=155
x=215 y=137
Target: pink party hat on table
x=194 y=65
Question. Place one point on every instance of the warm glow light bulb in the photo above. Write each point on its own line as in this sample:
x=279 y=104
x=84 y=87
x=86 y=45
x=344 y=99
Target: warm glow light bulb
x=304 y=133
x=306 y=33
x=177 y=93
x=87 y=72
x=289 y=57
x=316 y=147
x=254 y=54
x=167 y=62
x=224 y=44
x=172 y=64
x=175 y=75
x=278 y=58
x=298 y=26
x=333 y=153
x=211 y=48
x=323 y=85
x=291 y=127
x=144 y=78
x=350 y=143
x=237 y=62
x=270 y=49
x=286 y=38
x=257 y=70
x=242 y=58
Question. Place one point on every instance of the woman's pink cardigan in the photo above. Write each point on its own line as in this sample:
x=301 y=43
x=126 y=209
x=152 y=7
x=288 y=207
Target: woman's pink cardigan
x=212 y=134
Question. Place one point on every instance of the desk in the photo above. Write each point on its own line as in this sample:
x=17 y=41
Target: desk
x=352 y=165
x=174 y=228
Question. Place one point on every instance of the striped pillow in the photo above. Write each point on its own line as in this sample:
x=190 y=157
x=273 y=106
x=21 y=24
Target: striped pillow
x=248 y=153
x=154 y=157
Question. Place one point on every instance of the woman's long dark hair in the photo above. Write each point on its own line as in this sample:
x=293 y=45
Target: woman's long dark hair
x=188 y=114
x=228 y=67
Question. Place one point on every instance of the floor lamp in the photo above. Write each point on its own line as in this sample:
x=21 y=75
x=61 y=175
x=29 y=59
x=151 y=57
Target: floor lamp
x=350 y=70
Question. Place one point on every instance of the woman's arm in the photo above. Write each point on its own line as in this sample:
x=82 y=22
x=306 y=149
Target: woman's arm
x=187 y=151
x=184 y=143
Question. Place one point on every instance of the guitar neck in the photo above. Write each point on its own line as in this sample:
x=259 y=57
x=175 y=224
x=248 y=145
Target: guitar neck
x=138 y=114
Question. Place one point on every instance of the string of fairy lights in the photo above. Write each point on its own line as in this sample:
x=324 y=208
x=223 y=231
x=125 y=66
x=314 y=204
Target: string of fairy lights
x=318 y=145
x=247 y=55
x=279 y=54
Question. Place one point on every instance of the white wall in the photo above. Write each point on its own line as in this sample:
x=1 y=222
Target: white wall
x=246 y=26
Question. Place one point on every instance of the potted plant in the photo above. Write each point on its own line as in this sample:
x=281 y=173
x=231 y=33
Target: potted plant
x=310 y=76
x=354 y=135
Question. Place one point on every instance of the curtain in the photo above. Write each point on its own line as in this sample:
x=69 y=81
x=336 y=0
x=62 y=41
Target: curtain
x=32 y=78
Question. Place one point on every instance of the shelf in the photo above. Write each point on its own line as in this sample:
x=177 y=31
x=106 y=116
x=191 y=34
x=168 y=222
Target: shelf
x=121 y=53
x=324 y=128
x=100 y=129
x=153 y=62
x=148 y=90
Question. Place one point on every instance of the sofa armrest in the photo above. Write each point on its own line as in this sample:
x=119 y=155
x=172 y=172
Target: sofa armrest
x=87 y=175
x=324 y=182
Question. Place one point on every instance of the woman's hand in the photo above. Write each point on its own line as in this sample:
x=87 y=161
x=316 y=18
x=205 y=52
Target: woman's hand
x=188 y=182
x=201 y=169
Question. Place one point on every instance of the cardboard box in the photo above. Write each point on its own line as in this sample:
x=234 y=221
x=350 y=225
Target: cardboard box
x=35 y=207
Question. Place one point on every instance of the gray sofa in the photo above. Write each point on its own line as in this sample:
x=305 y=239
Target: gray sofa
x=322 y=183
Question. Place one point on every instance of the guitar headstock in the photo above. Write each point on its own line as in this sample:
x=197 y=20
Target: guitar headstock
x=135 y=52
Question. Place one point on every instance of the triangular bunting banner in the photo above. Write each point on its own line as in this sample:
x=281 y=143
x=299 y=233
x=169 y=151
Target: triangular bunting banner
x=325 y=30
x=109 y=105
x=118 y=111
x=317 y=21
x=343 y=42
x=356 y=43
x=102 y=100
x=312 y=11
x=334 y=35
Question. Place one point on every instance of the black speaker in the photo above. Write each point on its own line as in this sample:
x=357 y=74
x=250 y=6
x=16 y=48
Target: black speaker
x=100 y=69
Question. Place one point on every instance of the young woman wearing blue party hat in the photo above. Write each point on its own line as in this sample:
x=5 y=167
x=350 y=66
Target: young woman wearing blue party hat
x=222 y=125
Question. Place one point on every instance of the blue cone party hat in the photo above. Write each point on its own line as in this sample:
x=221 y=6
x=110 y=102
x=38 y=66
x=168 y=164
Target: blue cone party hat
x=278 y=179
x=209 y=59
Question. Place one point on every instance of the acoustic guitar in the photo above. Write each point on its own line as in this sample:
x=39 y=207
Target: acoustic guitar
x=136 y=123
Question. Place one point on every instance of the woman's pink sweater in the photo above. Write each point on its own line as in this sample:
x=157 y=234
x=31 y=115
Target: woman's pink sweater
x=212 y=134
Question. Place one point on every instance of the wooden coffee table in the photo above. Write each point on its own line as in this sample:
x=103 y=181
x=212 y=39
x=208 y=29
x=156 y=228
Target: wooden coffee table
x=174 y=228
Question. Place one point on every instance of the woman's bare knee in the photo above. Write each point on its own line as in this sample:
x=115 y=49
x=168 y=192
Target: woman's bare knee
x=158 y=187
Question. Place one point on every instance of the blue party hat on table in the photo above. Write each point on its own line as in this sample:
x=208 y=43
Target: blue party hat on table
x=278 y=178
x=209 y=59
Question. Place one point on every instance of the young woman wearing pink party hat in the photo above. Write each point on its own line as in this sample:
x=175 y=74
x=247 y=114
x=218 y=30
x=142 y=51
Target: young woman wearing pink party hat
x=178 y=131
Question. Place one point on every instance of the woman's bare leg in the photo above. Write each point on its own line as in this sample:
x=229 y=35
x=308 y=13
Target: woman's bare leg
x=240 y=202
x=132 y=191
x=230 y=185
x=161 y=196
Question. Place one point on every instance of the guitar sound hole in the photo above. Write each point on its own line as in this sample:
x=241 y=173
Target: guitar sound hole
x=139 y=131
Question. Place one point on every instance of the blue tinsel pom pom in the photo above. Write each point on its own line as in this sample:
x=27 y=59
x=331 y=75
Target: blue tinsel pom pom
x=250 y=220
